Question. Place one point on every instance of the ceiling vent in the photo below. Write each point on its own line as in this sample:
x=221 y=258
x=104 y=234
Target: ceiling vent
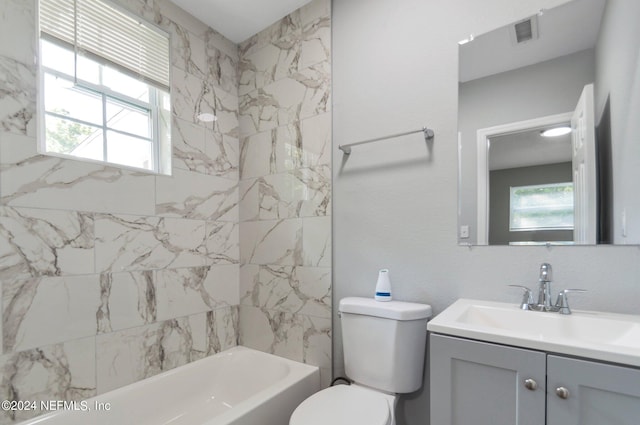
x=525 y=31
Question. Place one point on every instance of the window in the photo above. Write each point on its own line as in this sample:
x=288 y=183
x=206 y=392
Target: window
x=105 y=85
x=541 y=207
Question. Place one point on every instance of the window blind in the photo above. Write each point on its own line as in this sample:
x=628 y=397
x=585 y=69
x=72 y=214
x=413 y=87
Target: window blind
x=108 y=35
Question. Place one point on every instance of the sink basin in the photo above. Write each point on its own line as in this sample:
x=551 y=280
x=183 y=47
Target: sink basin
x=598 y=335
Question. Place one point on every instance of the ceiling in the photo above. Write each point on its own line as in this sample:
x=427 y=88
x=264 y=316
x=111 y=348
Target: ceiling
x=528 y=148
x=562 y=30
x=239 y=19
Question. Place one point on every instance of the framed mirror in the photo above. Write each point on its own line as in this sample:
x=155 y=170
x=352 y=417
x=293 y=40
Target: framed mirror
x=549 y=139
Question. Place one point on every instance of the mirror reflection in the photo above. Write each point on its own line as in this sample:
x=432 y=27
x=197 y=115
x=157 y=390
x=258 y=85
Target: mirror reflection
x=574 y=67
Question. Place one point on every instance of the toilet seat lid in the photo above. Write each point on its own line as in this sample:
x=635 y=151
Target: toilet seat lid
x=343 y=405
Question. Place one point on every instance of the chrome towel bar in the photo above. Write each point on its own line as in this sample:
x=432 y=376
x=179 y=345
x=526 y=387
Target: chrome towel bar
x=428 y=135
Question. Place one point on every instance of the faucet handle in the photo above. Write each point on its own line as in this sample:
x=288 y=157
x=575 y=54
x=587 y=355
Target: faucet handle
x=527 y=297
x=562 y=303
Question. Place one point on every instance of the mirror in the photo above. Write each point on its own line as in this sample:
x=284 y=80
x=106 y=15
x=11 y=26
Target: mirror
x=575 y=66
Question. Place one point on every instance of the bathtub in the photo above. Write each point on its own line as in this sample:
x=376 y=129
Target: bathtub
x=239 y=386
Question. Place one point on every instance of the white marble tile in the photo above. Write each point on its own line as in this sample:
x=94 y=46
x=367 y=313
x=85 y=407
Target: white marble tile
x=314 y=12
x=188 y=144
x=249 y=199
x=56 y=372
x=272 y=151
x=286 y=101
x=315 y=199
x=128 y=300
x=207 y=197
x=317 y=341
x=222 y=243
x=297 y=290
x=31 y=180
x=301 y=193
x=180 y=17
x=226 y=109
x=257 y=155
x=286 y=31
x=288 y=148
x=217 y=40
x=17 y=96
x=127 y=243
x=183 y=292
x=17 y=23
x=223 y=151
x=130 y=355
x=37 y=242
x=317 y=96
x=222 y=325
x=315 y=47
x=199 y=149
x=267 y=65
x=258 y=112
x=188 y=51
x=246 y=77
x=190 y=95
x=316 y=140
x=49 y=310
x=271 y=242
x=316 y=241
x=272 y=332
x=199 y=326
x=127 y=356
x=222 y=69
x=286 y=97
x=280 y=196
x=147 y=9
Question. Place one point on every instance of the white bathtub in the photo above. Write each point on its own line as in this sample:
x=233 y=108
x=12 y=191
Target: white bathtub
x=239 y=386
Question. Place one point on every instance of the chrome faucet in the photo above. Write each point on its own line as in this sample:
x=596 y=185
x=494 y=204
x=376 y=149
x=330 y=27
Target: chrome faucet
x=544 y=294
x=544 y=289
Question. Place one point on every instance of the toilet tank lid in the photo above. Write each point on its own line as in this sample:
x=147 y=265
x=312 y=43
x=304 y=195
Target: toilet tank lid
x=395 y=310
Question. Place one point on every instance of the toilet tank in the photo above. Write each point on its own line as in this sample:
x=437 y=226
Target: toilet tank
x=384 y=343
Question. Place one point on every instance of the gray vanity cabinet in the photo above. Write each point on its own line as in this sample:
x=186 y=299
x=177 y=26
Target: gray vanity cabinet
x=479 y=383
x=476 y=383
x=596 y=393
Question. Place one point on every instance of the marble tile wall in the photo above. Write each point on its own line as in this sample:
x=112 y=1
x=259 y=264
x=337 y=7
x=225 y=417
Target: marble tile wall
x=109 y=276
x=285 y=188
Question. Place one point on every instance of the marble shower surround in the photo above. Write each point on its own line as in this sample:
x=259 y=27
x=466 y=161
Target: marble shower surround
x=285 y=188
x=108 y=275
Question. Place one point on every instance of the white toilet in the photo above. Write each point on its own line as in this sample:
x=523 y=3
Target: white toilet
x=384 y=348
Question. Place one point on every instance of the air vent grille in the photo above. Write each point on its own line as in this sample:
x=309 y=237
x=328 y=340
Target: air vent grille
x=525 y=31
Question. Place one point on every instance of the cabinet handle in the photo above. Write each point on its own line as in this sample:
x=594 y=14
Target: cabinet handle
x=530 y=384
x=562 y=392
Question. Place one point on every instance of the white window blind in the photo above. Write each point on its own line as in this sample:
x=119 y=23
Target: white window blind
x=110 y=36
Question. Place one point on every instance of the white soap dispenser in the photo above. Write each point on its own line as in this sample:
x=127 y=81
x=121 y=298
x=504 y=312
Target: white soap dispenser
x=383 y=286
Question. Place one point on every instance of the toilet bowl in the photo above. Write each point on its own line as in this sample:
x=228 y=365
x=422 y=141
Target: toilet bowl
x=384 y=348
x=346 y=405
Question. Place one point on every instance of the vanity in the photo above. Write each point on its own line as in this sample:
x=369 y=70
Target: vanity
x=494 y=363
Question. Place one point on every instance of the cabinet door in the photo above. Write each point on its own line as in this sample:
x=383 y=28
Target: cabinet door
x=596 y=393
x=477 y=383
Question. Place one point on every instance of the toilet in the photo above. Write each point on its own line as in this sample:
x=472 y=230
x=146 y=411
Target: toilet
x=384 y=348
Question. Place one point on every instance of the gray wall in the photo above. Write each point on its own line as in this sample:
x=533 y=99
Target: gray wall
x=395 y=202
x=500 y=183
x=619 y=44
x=547 y=88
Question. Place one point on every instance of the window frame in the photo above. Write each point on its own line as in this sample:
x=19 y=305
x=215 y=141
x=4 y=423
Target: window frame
x=161 y=163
